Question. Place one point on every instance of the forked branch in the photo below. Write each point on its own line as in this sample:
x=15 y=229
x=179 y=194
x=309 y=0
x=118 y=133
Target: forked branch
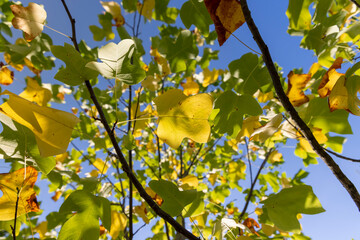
x=348 y=185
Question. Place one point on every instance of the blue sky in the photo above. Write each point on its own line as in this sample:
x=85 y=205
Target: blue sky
x=341 y=219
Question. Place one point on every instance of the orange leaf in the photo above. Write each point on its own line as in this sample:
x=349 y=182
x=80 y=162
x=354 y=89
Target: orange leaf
x=330 y=78
x=251 y=224
x=23 y=179
x=190 y=87
x=226 y=15
x=297 y=83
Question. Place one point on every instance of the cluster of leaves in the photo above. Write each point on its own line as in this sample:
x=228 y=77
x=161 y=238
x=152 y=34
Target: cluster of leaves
x=190 y=134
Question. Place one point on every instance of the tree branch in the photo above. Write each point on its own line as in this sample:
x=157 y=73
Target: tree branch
x=253 y=184
x=348 y=185
x=124 y=165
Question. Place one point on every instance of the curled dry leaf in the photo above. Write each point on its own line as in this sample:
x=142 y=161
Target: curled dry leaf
x=227 y=16
x=29 y=19
x=330 y=78
x=23 y=179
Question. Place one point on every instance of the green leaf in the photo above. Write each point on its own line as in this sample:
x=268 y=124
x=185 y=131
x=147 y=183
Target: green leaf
x=174 y=199
x=322 y=8
x=180 y=52
x=106 y=31
x=197 y=207
x=283 y=207
x=164 y=13
x=75 y=72
x=85 y=223
x=232 y=110
x=195 y=12
x=249 y=73
x=299 y=14
x=319 y=115
x=118 y=61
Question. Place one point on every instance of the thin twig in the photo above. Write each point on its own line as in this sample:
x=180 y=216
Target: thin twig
x=16 y=210
x=139 y=229
x=248 y=158
x=343 y=179
x=131 y=225
x=159 y=154
x=341 y=156
x=253 y=185
x=119 y=154
x=193 y=161
x=244 y=43
x=167 y=231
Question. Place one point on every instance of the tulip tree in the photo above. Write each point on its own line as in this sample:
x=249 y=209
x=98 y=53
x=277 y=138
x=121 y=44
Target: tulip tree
x=155 y=138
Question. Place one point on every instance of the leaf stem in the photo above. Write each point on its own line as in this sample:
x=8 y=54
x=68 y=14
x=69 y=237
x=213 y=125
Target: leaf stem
x=343 y=179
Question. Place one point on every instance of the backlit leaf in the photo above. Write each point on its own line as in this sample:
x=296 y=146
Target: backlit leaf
x=282 y=208
x=299 y=14
x=181 y=116
x=174 y=199
x=118 y=61
x=195 y=12
x=115 y=10
x=146 y=8
x=29 y=19
x=268 y=129
x=35 y=93
x=297 y=83
x=190 y=86
x=52 y=127
x=85 y=223
x=227 y=17
x=75 y=72
x=24 y=180
x=6 y=75
x=118 y=223
x=330 y=78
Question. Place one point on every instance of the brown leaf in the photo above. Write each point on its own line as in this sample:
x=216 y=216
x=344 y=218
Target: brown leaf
x=226 y=15
x=251 y=224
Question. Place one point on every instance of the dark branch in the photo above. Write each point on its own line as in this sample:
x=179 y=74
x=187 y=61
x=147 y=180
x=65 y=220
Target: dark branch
x=119 y=155
x=348 y=185
x=253 y=185
x=341 y=156
x=356 y=3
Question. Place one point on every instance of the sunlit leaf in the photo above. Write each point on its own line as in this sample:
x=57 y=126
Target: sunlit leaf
x=330 y=78
x=190 y=86
x=227 y=17
x=115 y=10
x=52 y=127
x=297 y=83
x=195 y=12
x=22 y=180
x=29 y=19
x=35 y=93
x=118 y=223
x=268 y=130
x=6 y=75
x=181 y=116
x=146 y=8
x=283 y=207
x=299 y=14
x=119 y=61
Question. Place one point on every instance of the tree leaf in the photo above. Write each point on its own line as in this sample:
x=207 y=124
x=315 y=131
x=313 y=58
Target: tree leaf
x=181 y=116
x=75 y=72
x=227 y=17
x=118 y=223
x=115 y=10
x=283 y=207
x=297 y=83
x=35 y=93
x=85 y=223
x=174 y=199
x=195 y=12
x=6 y=75
x=118 y=62
x=29 y=19
x=299 y=14
x=330 y=78
x=232 y=109
x=52 y=127
x=266 y=131
x=23 y=179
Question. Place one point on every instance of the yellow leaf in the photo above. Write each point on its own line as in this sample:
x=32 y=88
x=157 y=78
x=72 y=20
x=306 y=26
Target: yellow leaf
x=275 y=157
x=181 y=116
x=100 y=165
x=41 y=229
x=146 y=8
x=114 y=9
x=29 y=19
x=210 y=76
x=227 y=17
x=31 y=66
x=94 y=173
x=151 y=82
x=118 y=223
x=190 y=87
x=23 y=179
x=52 y=127
x=330 y=78
x=164 y=65
x=61 y=157
x=6 y=75
x=142 y=212
x=189 y=182
x=233 y=143
x=7 y=57
x=248 y=127
x=339 y=97
x=263 y=97
x=57 y=195
x=269 y=129
x=212 y=178
x=297 y=83
x=35 y=93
